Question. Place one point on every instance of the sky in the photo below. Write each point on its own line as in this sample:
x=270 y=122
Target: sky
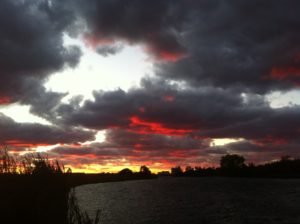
x=106 y=84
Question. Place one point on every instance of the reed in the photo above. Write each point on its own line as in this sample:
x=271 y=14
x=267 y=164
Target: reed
x=35 y=189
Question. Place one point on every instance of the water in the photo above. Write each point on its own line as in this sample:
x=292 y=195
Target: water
x=194 y=201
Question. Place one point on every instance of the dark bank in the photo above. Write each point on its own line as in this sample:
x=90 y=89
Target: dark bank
x=36 y=190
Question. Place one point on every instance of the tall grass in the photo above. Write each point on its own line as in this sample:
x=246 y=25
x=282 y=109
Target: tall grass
x=77 y=216
x=35 y=189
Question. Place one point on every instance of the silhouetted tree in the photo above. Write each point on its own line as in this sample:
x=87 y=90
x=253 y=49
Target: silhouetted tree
x=232 y=161
x=176 y=171
x=198 y=171
x=126 y=171
x=189 y=171
x=145 y=170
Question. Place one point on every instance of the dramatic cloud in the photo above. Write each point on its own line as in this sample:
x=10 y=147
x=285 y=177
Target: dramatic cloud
x=106 y=50
x=136 y=148
x=214 y=62
x=150 y=107
x=159 y=120
x=272 y=126
x=155 y=24
x=240 y=45
x=249 y=46
x=31 y=45
x=33 y=134
x=158 y=107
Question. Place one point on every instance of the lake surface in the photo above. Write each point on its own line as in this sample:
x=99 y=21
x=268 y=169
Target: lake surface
x=193 y=201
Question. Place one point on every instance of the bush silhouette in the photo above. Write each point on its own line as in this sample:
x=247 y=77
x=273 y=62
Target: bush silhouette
x=126 y=171
x=232 y=162
x=176 y=171
x=145 y=170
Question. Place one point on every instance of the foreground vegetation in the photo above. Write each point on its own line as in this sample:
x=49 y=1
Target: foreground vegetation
x=36 y=190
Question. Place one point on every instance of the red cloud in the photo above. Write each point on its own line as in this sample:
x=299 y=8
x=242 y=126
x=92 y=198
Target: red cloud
x=164 y=55
x=19 y=143
x=4 y=100
x=92 y=41
x=169 y=56
x=289 y=73
x=168 y=98
x=142 y=110
x=285 y=73
x=145 y=127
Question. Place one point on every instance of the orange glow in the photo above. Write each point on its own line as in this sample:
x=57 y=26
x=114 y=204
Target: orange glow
x=146 y=127
x=115 y=168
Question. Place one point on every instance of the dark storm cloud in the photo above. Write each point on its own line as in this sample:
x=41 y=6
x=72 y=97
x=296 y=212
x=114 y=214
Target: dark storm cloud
x=274 y=125
x=153 y=23
x=41 y=101
x=138 y=148
x=238 y=44
x=13 y=133
x=220 y=49
x=157 y=102
x=154 y=142
x=160 y=108
x=228 y=53
x=127 y=143
x=31 y=44
x=161 y=122
x=244 y=45
x=106 y=50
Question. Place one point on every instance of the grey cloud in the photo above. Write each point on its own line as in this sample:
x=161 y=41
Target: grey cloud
x=106 y=50
x=13 y=133
x=230 y=44
x=158 y=107
x=236 y=44
x=153 y=23
x=31 y=44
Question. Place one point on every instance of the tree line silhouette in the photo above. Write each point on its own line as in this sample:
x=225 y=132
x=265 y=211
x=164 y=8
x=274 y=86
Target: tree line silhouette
x=234 y=165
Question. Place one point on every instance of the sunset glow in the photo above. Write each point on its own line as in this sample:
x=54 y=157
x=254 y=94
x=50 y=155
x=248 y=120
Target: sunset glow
x=106 y=85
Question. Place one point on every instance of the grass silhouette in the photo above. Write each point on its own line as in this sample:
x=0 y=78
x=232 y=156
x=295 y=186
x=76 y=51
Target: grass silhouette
x=34 y=189
x=76 y=215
